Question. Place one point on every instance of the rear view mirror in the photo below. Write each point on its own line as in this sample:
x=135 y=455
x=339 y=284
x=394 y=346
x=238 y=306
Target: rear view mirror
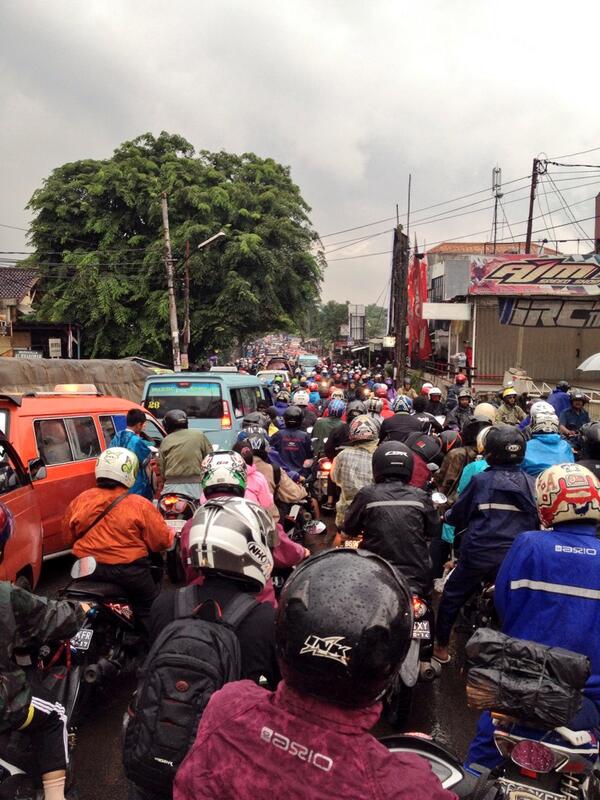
x=83 y=568
x=37 y=469
x=438 y=499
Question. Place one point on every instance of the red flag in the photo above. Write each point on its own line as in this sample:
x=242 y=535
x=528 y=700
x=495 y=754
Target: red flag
x=424 y=342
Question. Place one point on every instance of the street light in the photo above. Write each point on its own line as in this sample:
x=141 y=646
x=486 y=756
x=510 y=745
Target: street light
x=218 y=235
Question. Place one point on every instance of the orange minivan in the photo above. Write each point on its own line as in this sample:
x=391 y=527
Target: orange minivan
x=64 y=431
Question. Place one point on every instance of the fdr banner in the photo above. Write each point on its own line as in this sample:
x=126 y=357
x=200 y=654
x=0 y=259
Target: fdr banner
x=561 y=276
x=549 y=313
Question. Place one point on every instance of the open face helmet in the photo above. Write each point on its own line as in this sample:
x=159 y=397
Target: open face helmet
x=567 y=493
x=301 y=398
x=118 y=464
x=543 y=422
x=504 y=444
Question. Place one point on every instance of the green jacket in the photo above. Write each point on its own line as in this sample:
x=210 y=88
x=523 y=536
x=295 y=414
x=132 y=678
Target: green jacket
x=26 y=622
x=180 y=455
x=322 y=430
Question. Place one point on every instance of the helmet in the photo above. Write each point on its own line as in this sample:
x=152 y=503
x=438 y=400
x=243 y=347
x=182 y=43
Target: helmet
x=294 y=383
x=283 y=396
x=343 y=627
x=392 y=460
x=403 y=404
x=541 y=407
x=450 y=439
x=292 y=417
x=485 y=411
x=336 y=394
x=428 y=447
x=301 y=398
x=336 y=408
x=472 y=428
x=363 y=429
x=256 y=438
x=380 y=390
x=435 y=392
x=223 y=472
x=313 y=387
x=564 y=386
x=567 y=492
x=324 y=390
x=461 y=378
x=231 y=536
x=7 y=526
x=374 y=405
x=118 y=464
x=504 y=444
x=591 y=439
x=480 y=441
x=464 y=393
x=255 y=419
x=354 y=409
x=509 y=392
x=175 y=420
x=426 y=387
x=542 y=422
x=406 y=380
x=577 y=395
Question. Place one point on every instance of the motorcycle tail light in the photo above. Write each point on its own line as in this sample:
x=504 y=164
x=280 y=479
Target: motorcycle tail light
x=226 y=416
x=325 y=465
x=533 y=757
x=169 y=500
x=419 y=607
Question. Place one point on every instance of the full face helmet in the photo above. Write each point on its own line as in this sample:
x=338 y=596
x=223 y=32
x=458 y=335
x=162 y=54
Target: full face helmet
x=223 y=473
x=336 y=408
x=363 y=429
x=118 y=464
x=403 y=404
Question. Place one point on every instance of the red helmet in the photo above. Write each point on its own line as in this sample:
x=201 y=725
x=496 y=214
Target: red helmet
x=313 y=387
x=461 y=378
x=380 y=390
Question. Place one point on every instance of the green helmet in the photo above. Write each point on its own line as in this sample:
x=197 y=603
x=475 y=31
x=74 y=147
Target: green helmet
x=223 y=473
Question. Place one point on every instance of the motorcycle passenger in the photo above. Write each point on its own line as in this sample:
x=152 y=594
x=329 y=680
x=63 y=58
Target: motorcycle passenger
x=435 y=404
x=402 y=423
x=461 y=413
x=292 y=443
x=591 y=448
x=559 y=398
x=131 y=438
x=27 y=622
x=574 y=418
x=119 y=530
x=302 y=400
x=397 y=521
x=257 y=486
x=509 y=412
x=497 y=505
x=180 y=455
x=351 y=469
x=457 y=457
x=338 y=438
x=249 y=739
x=548 y=587
x=545 y=447
x=380 y=391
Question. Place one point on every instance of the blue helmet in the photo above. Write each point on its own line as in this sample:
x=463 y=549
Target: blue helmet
x=403 y=404
x=336 y=408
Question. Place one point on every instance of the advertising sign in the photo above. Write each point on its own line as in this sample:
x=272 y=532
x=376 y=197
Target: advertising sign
x=549 y=313
x=563 y=276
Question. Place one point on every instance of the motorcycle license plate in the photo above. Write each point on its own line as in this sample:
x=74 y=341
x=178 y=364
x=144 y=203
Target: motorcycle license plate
x=176 y=524
x=516 y=791
x=421 y=629
x=352 y=543
x=82 y=639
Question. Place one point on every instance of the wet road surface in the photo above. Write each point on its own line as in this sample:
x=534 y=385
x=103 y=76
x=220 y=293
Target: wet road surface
x=439 y=709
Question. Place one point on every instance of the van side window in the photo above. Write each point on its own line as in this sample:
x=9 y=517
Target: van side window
x=244 y=401
x=238 y=403
x=83 y=436
x=108 y=428
x=52 y=441
x=152 y=430
x=9 y=477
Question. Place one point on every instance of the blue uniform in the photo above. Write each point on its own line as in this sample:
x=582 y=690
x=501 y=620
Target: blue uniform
x=545 y=450
x=548 y=591
x=573 y=420
x=559 y=401
x=294 y=447
x=131 y=441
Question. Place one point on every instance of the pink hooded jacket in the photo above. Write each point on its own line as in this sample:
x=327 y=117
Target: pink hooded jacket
x=253 y=743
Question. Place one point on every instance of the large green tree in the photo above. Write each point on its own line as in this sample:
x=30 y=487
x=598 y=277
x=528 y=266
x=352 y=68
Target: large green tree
x=324 y=322
x=97 y=234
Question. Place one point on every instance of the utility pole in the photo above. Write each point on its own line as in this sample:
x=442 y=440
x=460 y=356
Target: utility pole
x=185 y=338
x=400 y=299
x=539 y=168
x=497 y=190
x=408 y=207
x=170 y=286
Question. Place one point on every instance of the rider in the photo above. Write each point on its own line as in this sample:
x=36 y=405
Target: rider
x=325 y=426
x=352 y=469
x=402 y=423
x=406 y=389
x=435 y=405
x=118 y=529
x=461 y=413
x=374 y=408
x=131 y=438
x=572 y=419
x=180 y=455
x=545 y=447
x=302 y=400
x=591 y=448
x=338 y=438
x=497 y=505
x=397 y=521
x=429 y=423
x=550 y=576
x=509 y=412
x=26 y=623
x=340 y=642
x=427 y=456
x=559 y=398
x=460 y=380
x=292 y=443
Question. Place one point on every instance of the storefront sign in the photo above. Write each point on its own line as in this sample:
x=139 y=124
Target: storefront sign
x=570 y=276
x=549 y=313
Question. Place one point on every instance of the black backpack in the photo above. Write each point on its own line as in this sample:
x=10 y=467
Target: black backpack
x=191 y=659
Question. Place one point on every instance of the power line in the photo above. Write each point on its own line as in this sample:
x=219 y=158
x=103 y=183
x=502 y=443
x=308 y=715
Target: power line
x=580 y=153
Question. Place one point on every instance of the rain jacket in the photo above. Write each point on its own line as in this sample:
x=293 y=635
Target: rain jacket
x=252 y=743
x=544 y=450
x=559 y=401
x=496 y=506
x=131 y=441
x=294 y=447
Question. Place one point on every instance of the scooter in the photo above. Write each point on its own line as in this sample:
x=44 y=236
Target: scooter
x=176 y=508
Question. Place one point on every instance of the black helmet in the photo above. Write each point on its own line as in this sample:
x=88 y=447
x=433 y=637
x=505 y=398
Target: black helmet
x=354 y=409
x=175 y=420
x=392 y=460
x=256 y=438
x=472 y=427
x=254 y=419
x=292 y=417
x=343 y=627
x=450 y=440
x=576 y=394
x=428 y=447
x=591 y=439
x=504 y=444
x=564 y=386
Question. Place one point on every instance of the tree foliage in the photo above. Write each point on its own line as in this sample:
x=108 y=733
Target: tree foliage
x=325 y=320
x=98 y=238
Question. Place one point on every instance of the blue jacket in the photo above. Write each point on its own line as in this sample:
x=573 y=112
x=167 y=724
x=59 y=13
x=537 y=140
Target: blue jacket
x=559 y=401
x=548 y=590
x=544 y=450
x=131 y=441
x=495 y=507
x=294 y=447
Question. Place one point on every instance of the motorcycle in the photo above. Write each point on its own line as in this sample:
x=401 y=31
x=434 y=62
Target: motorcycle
x=304 y=530
x=176 y=508
x=320 y=482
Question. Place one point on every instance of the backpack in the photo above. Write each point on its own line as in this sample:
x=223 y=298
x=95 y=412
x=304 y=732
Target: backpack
x=190 y=659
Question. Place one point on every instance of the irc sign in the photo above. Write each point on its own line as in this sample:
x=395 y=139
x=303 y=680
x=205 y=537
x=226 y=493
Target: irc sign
x=549 y=313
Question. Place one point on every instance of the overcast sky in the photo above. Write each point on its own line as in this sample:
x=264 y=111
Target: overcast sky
x=353 y=95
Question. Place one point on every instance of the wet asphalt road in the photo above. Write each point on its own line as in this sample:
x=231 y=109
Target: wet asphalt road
x=439 y=709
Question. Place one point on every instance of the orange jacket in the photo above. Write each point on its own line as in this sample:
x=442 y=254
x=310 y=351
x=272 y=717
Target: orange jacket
x=126 y=533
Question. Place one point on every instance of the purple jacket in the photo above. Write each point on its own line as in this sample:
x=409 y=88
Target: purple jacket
x=255 y=743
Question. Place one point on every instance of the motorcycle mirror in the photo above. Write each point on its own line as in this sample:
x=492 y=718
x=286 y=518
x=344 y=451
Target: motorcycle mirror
x=315 y=528
x=83 y=567
x=439 y=499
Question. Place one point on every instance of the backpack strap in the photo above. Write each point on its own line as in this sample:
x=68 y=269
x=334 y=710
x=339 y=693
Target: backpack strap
x=238 y=609
x=186 y=602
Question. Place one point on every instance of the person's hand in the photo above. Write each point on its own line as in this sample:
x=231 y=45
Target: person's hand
x=85 y=606
x=307 y=552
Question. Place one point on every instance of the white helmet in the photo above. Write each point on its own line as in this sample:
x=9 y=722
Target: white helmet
x=541 y=407
x=118 y=464
x=542 y=422
x=223 y=472
x=426 y=387
x=230 y=535
x=300 y=398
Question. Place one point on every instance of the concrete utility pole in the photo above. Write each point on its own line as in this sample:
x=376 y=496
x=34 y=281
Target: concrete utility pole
x=539 y=168
x=170 y=286
x=400 y=299
x=185 y=337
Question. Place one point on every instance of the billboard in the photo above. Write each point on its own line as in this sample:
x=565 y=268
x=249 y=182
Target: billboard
x=562 y=276
x=356 y=323
x=549 y=312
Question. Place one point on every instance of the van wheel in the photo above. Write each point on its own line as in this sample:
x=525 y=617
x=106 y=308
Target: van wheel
x=23 y=582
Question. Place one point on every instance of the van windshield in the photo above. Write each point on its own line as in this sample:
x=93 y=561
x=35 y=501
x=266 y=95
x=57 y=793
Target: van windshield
x=199 y=399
